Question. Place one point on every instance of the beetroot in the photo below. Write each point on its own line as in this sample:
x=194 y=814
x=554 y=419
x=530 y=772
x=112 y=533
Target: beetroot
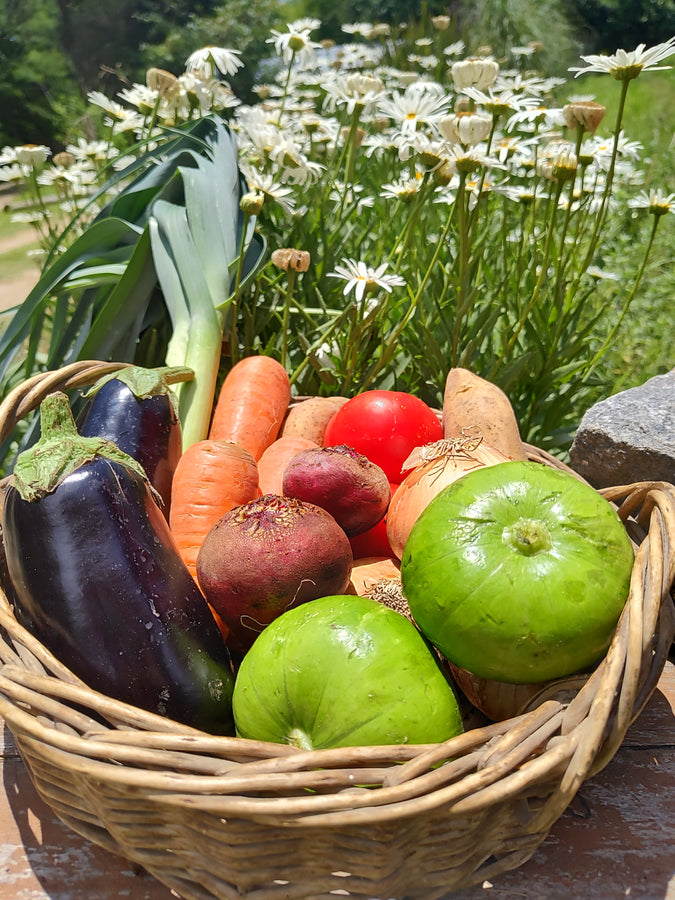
x=339 y=479
x=266 y=556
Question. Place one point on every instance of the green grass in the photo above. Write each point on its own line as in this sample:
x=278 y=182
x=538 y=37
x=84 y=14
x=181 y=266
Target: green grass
x=644 y=347
x=647 y=118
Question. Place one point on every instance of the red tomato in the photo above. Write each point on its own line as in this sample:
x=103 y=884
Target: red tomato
x=373 y=542
x=384 y=426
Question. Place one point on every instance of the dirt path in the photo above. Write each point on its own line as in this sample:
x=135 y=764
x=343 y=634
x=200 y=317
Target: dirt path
x=15 y=289
x=21 y=238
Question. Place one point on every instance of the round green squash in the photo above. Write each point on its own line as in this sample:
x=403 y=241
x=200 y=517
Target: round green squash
x=518 y=572
x=343 y=671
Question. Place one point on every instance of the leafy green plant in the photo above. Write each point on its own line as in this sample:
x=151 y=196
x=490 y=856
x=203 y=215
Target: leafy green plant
x=444 y=214
x=126 y=289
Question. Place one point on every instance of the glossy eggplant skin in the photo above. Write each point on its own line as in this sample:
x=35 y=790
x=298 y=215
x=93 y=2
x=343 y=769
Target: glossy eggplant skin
x=147 y=428
x=98 y=580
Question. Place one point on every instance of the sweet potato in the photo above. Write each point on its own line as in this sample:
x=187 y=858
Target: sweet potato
x=308 y=418
x=274 y=460
x=472 y=404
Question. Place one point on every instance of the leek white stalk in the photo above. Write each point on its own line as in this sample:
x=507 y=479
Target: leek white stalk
x=196 y=247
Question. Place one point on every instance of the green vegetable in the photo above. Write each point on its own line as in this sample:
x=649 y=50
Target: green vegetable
x=518 y=572
x=343 y=671
x=160 y=264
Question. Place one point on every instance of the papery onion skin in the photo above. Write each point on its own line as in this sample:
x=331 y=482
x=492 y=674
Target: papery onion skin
x=428 y=479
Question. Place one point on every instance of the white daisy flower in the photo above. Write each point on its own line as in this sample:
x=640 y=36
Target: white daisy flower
x=12 y=172
x=265 y=184
x=406 y=188
x=601 y=149
x=502 y=102
x=427 y=62
x=92 y=151
x=141 y=96
x=355 y=90
x=126 y=120
x=362 y=278
x=454 y=49
x=296 y=44
x=31 y=155
x=625 y=65
x=415 y=106
x=655 y=201
x=361 y=28
x=112 y=107
x=208 y=62
x=601 y=274
x=343 y=195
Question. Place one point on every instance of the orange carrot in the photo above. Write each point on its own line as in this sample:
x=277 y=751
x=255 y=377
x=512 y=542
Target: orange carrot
x=251 y=404
x=274 y=460
x=211 y=478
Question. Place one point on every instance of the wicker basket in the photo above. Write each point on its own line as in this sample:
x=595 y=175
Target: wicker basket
x=218 y=817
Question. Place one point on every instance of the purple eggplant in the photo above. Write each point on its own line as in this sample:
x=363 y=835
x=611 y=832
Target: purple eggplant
x=98 y=580
x=136 y=409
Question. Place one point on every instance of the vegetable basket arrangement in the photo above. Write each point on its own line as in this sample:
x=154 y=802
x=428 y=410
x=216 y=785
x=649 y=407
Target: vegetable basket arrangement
x=218 y=816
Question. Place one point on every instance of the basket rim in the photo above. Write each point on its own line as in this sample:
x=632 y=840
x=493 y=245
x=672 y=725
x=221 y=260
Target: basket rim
x=559 y=743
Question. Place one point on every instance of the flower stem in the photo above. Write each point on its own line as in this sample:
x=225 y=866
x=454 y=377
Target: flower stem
x=629 y=300
x=536 y=291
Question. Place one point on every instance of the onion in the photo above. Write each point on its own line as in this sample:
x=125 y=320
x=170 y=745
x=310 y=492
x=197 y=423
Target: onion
x=434 y=466
x=379 y=578
x=499 y=700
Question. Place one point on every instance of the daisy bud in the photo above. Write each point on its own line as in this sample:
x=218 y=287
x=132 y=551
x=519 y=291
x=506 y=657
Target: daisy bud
x=358 y=136
x=559 y=164
x=165 y=83
x=444 y=174
x=252 y=202
x=64 y=159
x=288 y=258
x=565 y=165
x=440 y=23
x=584 y=114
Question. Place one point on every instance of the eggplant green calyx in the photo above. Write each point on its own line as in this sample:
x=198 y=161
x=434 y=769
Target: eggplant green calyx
x=60 y=451
x=527 y=536
x=144 y=383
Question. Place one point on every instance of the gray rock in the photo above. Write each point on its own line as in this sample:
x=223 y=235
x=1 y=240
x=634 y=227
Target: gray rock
x=629 y=437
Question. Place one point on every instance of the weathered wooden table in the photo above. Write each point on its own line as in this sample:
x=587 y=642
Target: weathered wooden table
x=617 y=839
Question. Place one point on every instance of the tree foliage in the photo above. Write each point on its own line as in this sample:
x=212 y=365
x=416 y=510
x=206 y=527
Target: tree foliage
x=239 y=25
x=335 y=13
x=36 y=78
x=606 y=25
